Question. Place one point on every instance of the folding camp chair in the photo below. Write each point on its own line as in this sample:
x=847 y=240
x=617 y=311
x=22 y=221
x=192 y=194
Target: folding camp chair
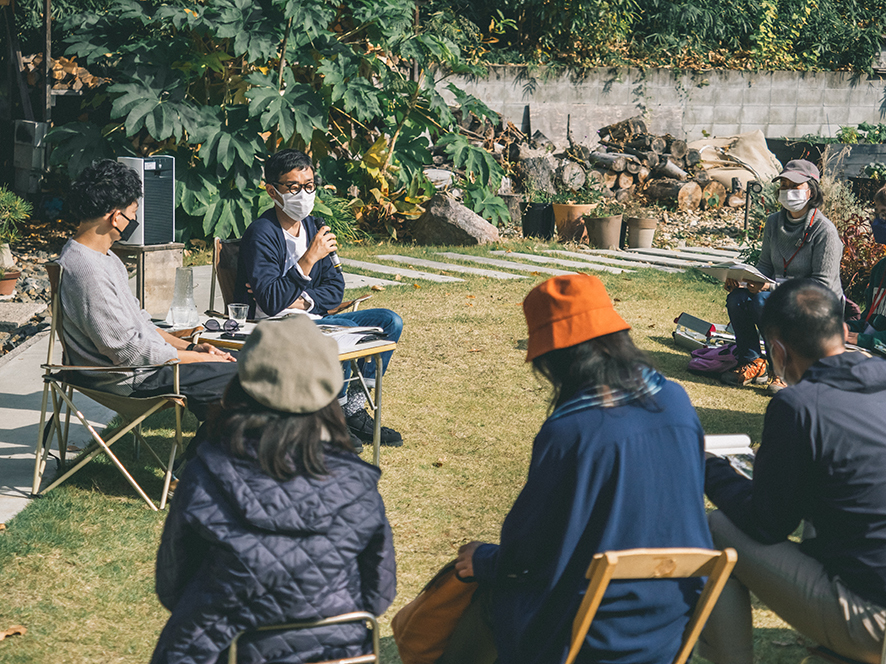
x=361 y=616
x=225 y=254
x=655 y=564
x=133 y=411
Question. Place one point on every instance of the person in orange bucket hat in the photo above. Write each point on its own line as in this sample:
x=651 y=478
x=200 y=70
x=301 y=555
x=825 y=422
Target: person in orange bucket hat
x=618 y=464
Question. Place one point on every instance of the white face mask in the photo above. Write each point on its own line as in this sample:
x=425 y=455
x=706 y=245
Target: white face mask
x=296 y=206
x=793 y=200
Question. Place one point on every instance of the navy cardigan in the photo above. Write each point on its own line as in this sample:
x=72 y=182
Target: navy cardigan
x=262 y=257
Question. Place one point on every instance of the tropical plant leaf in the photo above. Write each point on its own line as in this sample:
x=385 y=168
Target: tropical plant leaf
x=480 y=166
x=78 y=144
x=487 y=205
x=295 y=109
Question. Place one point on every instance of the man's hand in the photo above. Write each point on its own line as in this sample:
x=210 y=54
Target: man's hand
x=755 y=287
x=218 y=355
x=299 y=304
x=730 y=285
x=464 y=564
x=852 y=338
x=322 y=245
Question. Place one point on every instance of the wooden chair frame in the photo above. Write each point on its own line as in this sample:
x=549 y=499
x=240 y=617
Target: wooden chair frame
x=655 y=564
x=355 y=616
x=132 y=410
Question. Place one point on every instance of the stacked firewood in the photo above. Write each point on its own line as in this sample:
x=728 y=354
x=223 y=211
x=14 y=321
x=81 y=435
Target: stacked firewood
x=65 y=72
x=662 y=168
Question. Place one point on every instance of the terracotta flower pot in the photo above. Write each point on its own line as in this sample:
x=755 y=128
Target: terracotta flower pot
x=641 y=231
x=570 y=225
x=8 y=281
x=604 y=232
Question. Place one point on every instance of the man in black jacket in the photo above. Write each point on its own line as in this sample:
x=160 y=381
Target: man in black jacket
x=821 y=459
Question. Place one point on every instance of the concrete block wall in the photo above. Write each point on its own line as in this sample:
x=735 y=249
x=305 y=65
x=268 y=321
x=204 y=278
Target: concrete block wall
x=684 y=104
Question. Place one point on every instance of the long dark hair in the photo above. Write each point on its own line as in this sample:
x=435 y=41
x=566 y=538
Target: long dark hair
x=611 y=360
x=284 y=444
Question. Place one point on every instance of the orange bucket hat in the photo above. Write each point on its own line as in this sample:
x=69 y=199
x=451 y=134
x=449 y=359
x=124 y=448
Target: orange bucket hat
x=567 y=310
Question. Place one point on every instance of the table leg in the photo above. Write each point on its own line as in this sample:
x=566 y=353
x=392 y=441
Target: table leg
x=376 y=436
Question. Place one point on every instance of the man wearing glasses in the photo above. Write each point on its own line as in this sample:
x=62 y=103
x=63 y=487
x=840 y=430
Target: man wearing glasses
x=285 y=266
x=103 y=322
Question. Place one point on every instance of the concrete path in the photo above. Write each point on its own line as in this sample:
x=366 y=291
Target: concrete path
x=402 y=271
x=565 y=262
x=451 y=267
x=508 y=265
x=627 y=261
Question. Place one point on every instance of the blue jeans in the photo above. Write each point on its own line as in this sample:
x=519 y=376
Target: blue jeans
x=386 y=319
x=745 y=311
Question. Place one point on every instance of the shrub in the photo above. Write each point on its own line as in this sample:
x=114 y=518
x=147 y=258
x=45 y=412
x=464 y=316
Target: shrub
x=13 y=211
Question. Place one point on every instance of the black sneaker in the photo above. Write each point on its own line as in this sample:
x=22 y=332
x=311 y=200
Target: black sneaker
x=362 y=425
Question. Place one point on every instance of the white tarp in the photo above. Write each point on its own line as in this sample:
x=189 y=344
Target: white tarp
x=743 y=156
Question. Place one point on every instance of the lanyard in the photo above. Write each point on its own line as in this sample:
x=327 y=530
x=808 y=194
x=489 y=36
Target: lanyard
x=803 y=242
x=876 y=303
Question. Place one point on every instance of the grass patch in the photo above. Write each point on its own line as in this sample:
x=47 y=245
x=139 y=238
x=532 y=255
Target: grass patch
x=76 y=568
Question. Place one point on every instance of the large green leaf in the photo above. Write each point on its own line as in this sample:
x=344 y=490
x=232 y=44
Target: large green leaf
x=153 y=99
x=309 y=19
x=295 y=109
x=78 y=144
x=486 y=204
x=470 y=104
x=480 y=166
x=256 y=31
x=411 y=153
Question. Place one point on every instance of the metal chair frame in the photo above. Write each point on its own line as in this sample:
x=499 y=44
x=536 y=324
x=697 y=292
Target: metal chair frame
x=354 y=616
x=132 y=410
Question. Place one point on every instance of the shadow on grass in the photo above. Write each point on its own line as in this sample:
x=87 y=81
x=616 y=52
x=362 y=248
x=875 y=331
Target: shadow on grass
x=100 y=474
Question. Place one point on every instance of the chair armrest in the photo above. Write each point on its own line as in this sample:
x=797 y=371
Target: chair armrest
x=188 y=333
x=71 y=367
x=344 y=306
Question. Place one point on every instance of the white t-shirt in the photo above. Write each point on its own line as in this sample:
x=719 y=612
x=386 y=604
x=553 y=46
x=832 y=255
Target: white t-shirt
x=296 y=246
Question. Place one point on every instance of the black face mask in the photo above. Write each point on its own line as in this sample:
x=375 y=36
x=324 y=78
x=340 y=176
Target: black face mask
x=127 y=232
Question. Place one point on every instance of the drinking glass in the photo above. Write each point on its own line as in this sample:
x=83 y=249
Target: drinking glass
x=237 y=312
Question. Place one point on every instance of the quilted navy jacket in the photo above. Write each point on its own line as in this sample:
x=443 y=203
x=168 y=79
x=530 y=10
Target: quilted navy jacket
x=241 y=549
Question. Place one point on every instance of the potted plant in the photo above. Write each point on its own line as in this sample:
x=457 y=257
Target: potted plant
x=641 y=225
x=13 y=211
x=569 y=209
x=604 y=222
x=538 y=217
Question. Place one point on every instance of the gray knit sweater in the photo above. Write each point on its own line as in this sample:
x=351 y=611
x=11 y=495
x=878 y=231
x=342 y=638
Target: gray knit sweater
x=103 y=322
x=818 y=259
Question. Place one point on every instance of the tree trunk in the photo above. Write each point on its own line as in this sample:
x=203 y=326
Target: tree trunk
x=633 y=166
x=736 y=200
x=702 y=177
x=625 y=130
x=572 y=176
x=642 y=174
x=714 y=195
x=671 y=170
x=648 y=142
x=685 y=195
x=615 y=162
x=625 y=181
x=609 y=179
x=692 y=157
x=678 y=148
x=624 y=195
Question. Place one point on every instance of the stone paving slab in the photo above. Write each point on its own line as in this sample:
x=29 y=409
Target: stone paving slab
x=509 y=265
x=608 y=260
x=15 y=314
x=21 y=393
x=725 y=253
x=582 y=264
x=451 y=267
x=362 y=281
x=649 y=258
x=403 y=272
x=682 y=254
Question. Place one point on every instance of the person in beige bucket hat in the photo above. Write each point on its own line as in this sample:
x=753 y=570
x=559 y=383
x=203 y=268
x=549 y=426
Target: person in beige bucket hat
x=275 y=520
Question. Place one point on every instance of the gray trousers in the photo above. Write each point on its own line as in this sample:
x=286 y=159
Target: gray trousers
x=794 y=586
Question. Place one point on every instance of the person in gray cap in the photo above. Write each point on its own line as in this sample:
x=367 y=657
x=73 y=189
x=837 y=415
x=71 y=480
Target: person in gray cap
x=276 y=520
x=799 y=242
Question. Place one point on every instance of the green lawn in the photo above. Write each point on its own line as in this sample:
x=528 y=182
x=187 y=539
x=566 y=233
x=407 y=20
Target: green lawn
x=76 y=568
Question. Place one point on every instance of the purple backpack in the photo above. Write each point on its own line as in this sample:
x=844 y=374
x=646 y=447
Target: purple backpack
x=712 y=359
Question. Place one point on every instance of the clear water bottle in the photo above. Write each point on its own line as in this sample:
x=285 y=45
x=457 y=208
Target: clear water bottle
x=183 y=311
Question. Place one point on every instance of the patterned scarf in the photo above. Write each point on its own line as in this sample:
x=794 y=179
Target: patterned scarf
x=651 y=382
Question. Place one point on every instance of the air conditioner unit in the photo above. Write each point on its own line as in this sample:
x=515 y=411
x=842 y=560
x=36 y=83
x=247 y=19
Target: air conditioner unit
x=156 y=213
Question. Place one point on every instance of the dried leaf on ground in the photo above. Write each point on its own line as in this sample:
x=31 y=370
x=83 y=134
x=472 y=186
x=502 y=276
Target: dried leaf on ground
x=376 y=287
x=12 y=631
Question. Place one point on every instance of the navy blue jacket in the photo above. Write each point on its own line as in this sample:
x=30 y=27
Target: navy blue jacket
x=261 y=261
x=241 y=549
x=600 y=479
x=821 y=458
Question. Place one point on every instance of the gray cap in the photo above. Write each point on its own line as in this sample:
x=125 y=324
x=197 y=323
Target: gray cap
x=289 y=365
x=799 y=170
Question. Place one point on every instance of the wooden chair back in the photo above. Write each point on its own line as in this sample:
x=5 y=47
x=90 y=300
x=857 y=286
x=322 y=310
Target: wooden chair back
x=655 y=564
x=225 y=255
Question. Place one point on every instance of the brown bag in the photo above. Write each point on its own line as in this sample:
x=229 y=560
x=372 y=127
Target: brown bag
x=423 y=627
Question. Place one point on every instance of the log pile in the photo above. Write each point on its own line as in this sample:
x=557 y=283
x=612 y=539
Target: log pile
x=65 y=72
